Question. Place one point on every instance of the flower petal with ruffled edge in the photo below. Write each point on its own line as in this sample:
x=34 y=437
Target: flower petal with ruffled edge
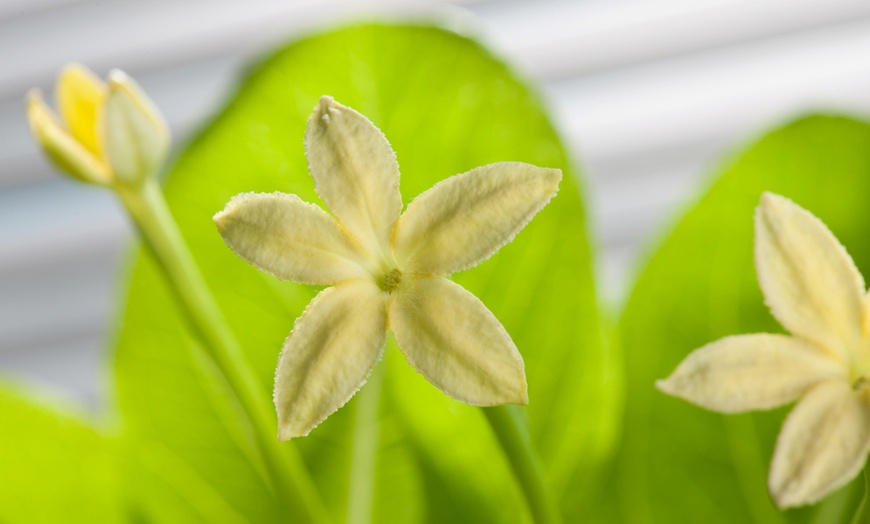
x=450 y=337
x=289 y=238
x=809 y=281
x=466 y=218
x=823 y=444
x=333 y=347
x=749 y=372
x=355 y=173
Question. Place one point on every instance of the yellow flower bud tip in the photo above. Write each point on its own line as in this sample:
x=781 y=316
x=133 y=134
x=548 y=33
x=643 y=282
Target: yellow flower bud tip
x=80 y=93
x=68 y=154
x=77 y=69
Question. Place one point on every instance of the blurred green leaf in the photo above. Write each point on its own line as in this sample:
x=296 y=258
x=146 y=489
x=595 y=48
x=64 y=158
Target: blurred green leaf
x=55 y=466
x=680 y=463
x=447 y=106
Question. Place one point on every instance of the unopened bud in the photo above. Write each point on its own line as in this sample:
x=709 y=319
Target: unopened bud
x=107 y=134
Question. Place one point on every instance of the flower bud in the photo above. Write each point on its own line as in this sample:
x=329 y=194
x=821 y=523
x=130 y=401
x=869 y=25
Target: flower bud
x=108 y=133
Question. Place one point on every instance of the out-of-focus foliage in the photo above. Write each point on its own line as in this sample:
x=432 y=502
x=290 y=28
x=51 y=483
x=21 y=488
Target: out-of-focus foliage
x=446 y=106
x=680 y=463
x=54 y=465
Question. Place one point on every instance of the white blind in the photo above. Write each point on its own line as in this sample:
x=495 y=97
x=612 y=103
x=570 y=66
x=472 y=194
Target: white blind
x=649 y=95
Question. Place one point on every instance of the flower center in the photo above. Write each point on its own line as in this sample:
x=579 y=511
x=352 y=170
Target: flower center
x=391 y=281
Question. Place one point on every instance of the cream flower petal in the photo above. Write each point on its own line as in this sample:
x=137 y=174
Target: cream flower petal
x=450 y=337
x=747 y=372
x=64 y=150
x=355 y=173
x=289 y=238
x=79 y=94
x=466 y=218
x=809 y=281
x=328 y=355
x=823 y=444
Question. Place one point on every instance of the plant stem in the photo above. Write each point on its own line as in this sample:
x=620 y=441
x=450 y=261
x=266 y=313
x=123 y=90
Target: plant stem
x=862 y=514
x=366 y=437
x=517 y=445
x=151 y=215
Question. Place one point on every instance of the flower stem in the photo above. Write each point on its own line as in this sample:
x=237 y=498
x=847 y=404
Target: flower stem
x=862 y=514
x=151 y=215
x=366 y=438
x=517 y=445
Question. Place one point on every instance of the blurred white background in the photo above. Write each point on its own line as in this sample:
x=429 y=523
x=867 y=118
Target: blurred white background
x=651 y=96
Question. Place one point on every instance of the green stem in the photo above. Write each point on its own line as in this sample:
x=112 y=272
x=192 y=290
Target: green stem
x=151 y=214
x=862 y=514
x=366 y=436
x=507 y=424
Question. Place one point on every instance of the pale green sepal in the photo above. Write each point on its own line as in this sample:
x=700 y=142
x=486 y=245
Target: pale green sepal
x=133 y=135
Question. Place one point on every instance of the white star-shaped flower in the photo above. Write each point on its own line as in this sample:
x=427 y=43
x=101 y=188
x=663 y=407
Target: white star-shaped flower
x=815 y=291
x=387 y=269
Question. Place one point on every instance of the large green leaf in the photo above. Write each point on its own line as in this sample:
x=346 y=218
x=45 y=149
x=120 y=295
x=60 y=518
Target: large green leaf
x=55 y=466
x=678 y=462
x=447 y=106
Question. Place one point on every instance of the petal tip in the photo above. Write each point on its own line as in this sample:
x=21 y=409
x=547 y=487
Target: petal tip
x=324 y=105
x=74 y=68
x=223 y=219
x=554 y=175
x=523 y=399
x=75 y=75
x=37 y=110
x=769 y=197
x=75 y=71
x=665 y=386
x=772 y=201
x=785 y=496
x=118 y=78
x=34 y=97
x=286 y=432
x=782 y=502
